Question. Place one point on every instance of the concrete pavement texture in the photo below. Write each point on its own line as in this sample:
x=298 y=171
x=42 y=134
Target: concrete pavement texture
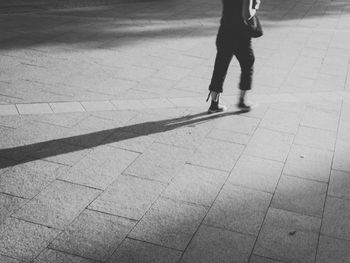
x=107 y=153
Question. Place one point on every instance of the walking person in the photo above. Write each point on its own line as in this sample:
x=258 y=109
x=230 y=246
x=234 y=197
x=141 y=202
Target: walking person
x=233 y=38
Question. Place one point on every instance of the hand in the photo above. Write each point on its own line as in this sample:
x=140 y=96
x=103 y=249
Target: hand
x=257 y=4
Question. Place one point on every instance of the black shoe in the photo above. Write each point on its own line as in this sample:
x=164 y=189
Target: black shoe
x=216 y=107
x=242 y=106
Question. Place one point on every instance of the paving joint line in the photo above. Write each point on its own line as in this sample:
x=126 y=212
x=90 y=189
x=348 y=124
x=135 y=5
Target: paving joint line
x=307 y=179
x=250 y=188
x=339 y=198
x=155 y=244
x=97 y=196
x=86 y=207
x=214 y=200
x=272 y=196
x=11 y=257
x=314 y=147
x=144 y=178
x=12 y=195
x=111 y=214
x=34 y=223
x=149 y=208
x=160 y=197
x=65 y=252
x=338 y=170
x=327 y=187
x=180 y=201
x=347 y=76
x=230 y=230
x=78 y=184
x=335 y=237
x=206 y=214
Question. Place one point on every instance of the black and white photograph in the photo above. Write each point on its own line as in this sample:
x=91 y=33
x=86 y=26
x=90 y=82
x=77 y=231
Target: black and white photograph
x=174 y=131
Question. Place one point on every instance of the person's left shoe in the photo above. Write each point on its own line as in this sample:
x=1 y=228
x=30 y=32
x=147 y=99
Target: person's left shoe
x=216 y=107
x=243 y=106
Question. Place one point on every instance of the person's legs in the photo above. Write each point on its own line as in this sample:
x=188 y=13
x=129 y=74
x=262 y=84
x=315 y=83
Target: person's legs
x=246 y=58
x=223 y=58
x=225 y=50
x=222 y=62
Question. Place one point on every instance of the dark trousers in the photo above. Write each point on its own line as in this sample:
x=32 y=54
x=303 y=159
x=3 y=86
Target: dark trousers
x=229 y=43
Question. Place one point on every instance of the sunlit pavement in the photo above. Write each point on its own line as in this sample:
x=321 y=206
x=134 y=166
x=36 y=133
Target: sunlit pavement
x=108 y=155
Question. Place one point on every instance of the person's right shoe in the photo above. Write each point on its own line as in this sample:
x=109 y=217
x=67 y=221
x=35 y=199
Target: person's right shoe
x=242 y=106
x=216 y=107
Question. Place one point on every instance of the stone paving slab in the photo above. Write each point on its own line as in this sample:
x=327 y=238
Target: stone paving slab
x=99 y=168
x=170 y=224
x=30 y=136
x=33 y=108
x=8 y=205
x=320 y=119
x=309 y=163
x=289 y=237
x=130 y=141
x=28 y=179
x=93 y=235
x=66 y=107
x=212 y=244
x=128 y=196
x=53 y=256
x=281 y=121
x=341 y=155
x=160 y=162
x=65 y=154
x=300 y=196
x=333 y=250
x=229 y=136
x=270 y=144
x=264 y=175
x=190 y=137
x=196 y=185
x=24 y=240
x=239 y=209
x=8 y=110
x=63 y=119
x=335 y=223
x=217 y=154
x=338 y=185
x=316 y=138
x=134 y=251
x=258 y=259
x=239 y=124
x=6 y=259
x=57 y=205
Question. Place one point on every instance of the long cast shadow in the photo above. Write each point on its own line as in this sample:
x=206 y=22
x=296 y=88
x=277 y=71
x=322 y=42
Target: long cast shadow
x=42 y=150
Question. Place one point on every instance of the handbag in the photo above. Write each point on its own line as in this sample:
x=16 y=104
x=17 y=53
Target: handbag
x=254 y=27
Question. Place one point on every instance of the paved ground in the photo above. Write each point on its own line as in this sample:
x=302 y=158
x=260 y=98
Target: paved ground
x=107 y=154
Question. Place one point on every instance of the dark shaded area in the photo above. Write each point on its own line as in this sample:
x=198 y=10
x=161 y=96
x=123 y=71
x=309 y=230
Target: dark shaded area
x=107 y=26
x=42 y=150
x=24 y=6
x=140 y=20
